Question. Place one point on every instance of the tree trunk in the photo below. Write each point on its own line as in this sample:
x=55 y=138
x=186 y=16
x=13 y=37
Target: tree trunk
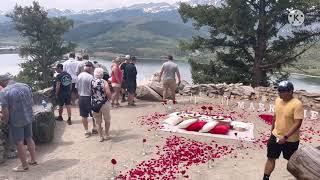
x=259 y=76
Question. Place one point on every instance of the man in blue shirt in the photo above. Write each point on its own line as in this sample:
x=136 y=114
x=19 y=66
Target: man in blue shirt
x=16 y=102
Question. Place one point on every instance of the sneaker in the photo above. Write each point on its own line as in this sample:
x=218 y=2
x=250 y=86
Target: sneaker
x=69 y=121
x=107 y=137
x=87 y=134
x=123 y=100
x=94 y=131
x=101 y=139
x=59 y=118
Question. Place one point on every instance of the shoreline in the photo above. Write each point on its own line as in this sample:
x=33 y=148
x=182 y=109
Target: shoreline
x=306 y=75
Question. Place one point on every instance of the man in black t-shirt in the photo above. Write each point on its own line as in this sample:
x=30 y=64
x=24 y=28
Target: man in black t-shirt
x=130 y=73
x=63 y=91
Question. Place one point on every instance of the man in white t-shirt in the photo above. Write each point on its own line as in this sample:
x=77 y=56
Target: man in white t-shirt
x=168 y=74
x=71 y=66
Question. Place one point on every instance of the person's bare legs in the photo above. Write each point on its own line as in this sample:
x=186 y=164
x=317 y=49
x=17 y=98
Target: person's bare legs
x=98 y=117
x=165 y=94
x=113 y=97
x=269 y=167
x=107 y=118
x=107 y=127
x=22 y=154
x=60 y=111
x=69 y=110
x=116 y=96
x=130 y=98
x=85 y=123
x=73 y=98
x=32 y=149
x=93 y=120
x=100 y=129
x=173 y=94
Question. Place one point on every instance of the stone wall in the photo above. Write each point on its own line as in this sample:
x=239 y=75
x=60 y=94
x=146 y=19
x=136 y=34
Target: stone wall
x=239 y=91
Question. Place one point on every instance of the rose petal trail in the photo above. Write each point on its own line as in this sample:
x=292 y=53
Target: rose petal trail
x=176 y=156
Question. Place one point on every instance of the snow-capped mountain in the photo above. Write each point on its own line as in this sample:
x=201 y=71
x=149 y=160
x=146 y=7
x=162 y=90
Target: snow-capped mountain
x=60 y=12
x=145 y=7
x=203 y=2
x=153 y=7
x=3 y=13
x=162 y=9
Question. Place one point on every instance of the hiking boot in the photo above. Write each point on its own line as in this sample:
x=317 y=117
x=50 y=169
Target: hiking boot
x=94 y=131
x=69 y=121
x=59 y=118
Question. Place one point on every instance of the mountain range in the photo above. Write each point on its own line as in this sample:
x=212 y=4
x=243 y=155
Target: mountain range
x=149 y=29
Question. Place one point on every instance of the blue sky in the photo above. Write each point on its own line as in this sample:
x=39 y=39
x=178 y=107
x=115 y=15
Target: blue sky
x=6 y=5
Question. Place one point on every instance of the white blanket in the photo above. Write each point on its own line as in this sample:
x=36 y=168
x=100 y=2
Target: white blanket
x=245 y=136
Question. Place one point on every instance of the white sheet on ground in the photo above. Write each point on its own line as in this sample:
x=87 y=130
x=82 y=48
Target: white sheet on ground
x=245 y=136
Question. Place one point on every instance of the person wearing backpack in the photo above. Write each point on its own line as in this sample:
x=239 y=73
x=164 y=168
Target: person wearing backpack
x=100 y=95
x=63 y=92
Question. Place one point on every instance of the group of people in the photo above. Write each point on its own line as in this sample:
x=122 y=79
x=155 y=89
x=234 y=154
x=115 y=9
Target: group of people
x=89 y=82
x=96 y=92
x=123 y=80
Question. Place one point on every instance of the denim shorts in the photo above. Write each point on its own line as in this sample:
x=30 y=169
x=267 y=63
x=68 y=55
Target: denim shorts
x=20 y=133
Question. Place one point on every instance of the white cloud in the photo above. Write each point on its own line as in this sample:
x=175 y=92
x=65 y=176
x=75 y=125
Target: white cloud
x=78 y=4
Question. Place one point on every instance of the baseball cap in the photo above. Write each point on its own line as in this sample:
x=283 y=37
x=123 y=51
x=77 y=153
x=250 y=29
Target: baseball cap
x=127 y=57
x=285 y=86
x=5 y=77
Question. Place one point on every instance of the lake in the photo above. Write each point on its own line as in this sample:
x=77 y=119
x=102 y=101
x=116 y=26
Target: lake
x=146 y=68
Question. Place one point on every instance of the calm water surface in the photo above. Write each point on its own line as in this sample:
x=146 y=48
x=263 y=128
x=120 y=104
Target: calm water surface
x=146 y=68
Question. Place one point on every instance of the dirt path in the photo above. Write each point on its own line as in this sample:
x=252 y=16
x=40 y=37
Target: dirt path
x=72 y=156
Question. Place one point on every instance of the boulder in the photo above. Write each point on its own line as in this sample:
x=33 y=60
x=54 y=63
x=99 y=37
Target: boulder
x=155 y=77
x=304 y=164
x=156 y=86
x=312 y=95
x=146 y=93
x=247 y=90
x=317 y=99
x=43 y=124
x=182 y=85
x=45 y=94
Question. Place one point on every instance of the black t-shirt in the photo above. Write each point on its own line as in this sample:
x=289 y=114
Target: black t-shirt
x=123 y=68
x=130 y=72
x=65 y=80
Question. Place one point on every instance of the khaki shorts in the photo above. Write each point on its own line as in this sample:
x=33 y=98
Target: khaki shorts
x=105 y=112
x=170 y=84
x=116 y=85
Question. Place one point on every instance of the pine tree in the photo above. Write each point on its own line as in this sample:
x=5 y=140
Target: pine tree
x=248 y=39
x=44 y=43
